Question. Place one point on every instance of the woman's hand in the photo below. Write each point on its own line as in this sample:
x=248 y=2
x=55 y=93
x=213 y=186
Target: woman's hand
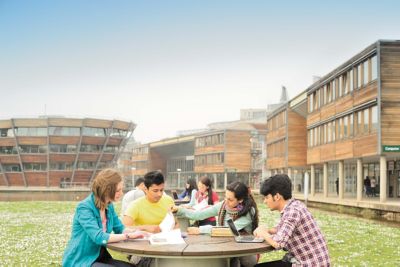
x=138 y=234
x=193 y=230
x=174 y=209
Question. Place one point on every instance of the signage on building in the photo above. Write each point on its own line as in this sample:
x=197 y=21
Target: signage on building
x=391 y=148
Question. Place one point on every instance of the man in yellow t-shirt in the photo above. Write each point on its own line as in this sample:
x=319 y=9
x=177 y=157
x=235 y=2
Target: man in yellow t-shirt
x=147 y=212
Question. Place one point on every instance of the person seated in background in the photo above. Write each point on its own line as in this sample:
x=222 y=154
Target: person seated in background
x=132 y=195
x=147 y=213
x=239 y=205
x=204 y=194
x=94 y=221
x=190 y=190
x=297 y=231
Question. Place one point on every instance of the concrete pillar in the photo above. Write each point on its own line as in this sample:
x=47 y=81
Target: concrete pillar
x=341 y=179
x=225 y=179
x=289 y=172
x=312 y=181
x=325 y=180
x=383 y=180
x=360 y=180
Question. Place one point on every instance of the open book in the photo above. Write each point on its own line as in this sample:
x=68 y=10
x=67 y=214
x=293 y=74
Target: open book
x=168 y=235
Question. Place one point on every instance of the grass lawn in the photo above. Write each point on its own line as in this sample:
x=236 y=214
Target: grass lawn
x=36 y=233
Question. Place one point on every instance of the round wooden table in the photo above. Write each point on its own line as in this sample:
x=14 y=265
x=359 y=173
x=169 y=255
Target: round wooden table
x=199 y=251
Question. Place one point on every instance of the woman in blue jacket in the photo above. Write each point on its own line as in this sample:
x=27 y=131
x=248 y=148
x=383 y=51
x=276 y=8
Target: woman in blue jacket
x=94 y=220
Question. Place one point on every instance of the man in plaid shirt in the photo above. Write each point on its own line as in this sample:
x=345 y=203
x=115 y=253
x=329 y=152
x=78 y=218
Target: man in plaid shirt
x=297 y=231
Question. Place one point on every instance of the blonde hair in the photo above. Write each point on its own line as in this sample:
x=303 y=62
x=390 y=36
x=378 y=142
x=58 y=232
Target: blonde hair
x=105 y=186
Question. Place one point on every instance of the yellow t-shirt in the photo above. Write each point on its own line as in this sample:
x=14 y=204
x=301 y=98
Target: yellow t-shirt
x=144 y=212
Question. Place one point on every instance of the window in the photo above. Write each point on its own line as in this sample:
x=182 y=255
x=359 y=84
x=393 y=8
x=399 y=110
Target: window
x=351 y=84
x=89 y=131
x=374 y=118
x=359 y=76
x=8 y=150
x=65 y=131
x=374 y=68
x=366 y=73
x=23 y=131
x=6 y=132
x=366 y=120
x=351 y=123
x=311 y=103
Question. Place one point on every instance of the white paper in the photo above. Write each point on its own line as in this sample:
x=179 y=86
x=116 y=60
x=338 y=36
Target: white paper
x=167 y=223
x=203 y=204
x=173 y=237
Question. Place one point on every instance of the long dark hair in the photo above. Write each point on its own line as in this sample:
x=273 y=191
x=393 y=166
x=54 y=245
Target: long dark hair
x=192 y=185
x=242 y=192
x=207 y=182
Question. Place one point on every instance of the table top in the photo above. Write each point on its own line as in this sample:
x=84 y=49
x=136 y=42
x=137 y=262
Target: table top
x=196 y=246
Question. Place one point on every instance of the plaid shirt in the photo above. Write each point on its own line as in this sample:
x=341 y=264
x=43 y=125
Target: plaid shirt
x=299 y=234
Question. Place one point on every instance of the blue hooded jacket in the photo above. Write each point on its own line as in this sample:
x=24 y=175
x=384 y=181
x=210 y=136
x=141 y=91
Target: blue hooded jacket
x=87 y=235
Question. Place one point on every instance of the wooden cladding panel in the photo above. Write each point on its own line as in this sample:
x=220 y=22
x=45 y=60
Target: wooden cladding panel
x=30 y=122
x=314 y=117
x=109 y=157
x=34 y=158
x=2 y=181
x=140 y=172
x=313 y=155
x=97 y=123
x=365 y=94
x=276 y=163
x=140 y=157
x=9 y=159
x=55 y=177
x=93 y=140
x=390 y=123
x=9 y=141
x=209 y=168
x=327 y=152
x=62 y=157
x=114 y=141
x=390 y=74
x=36 y=178
x=209 y=149
x=237 y=150
x=297 y=140
x=327 y=111
x=64 y=122
x=82 y=176
x=157 y=162
x=5 y=124
x=344 y=103
x=58 y=140
x=344 y=149
x=276 y=134
x=32 y=140
x=121 y=125
x=88 y=157
x=366 y=145
x=15 y=179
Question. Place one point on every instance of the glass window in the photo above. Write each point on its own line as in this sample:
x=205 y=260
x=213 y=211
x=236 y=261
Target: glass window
x=351 y=123
x=90 y=131
x=23 y=131
x=333 y=89
x=366 y=120
x=345 y=127
x=64 y=131
x=311 y=102
x=8 y=150
x=339 y=85
x=11 y=167
x=374 y=68
x=359 y=76
x=351 y=85
x=374 y=118
x=366 y=70
x=359 y=122
x=6 y=132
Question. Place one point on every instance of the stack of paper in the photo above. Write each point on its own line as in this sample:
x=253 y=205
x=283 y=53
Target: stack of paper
x=168 y=235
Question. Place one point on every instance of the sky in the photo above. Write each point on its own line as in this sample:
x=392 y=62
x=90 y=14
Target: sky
x=174 y=65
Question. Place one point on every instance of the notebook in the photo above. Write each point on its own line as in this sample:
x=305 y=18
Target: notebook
x=245 y=238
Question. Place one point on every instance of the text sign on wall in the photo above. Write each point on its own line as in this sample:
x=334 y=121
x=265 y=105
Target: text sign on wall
x=391 y=148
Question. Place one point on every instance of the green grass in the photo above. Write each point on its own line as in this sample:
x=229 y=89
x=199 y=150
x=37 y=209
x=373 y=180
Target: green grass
x=36 y=233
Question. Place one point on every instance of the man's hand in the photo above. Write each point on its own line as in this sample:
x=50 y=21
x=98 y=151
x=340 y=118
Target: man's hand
x=261 y=231
x=174 y=209
x=193 y=230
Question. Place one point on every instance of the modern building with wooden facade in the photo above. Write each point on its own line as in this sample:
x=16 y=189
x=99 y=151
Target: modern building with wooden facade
x=287 y=140
x=57 y=151
x=353 y=127
x=225 y=155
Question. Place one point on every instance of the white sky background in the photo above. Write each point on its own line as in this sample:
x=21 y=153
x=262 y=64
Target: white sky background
x=174 y=65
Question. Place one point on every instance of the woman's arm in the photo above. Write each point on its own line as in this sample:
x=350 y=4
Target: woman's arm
x=208 y=212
